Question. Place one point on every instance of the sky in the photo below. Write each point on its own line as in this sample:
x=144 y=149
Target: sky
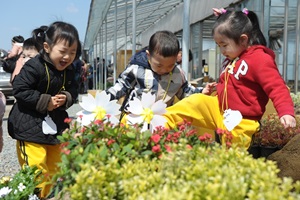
x=20 y=17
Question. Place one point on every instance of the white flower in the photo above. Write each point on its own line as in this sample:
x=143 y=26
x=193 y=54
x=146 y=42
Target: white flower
x=21 y=187
x=99 y=108
x=4 y=191
x=147 y=111
x=33 y=197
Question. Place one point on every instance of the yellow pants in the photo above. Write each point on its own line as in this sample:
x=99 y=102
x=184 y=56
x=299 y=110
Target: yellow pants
x=45 y=157
x=203 y=111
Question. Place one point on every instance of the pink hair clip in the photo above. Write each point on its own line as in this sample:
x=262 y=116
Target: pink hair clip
x=218 y=12
x=245 y=11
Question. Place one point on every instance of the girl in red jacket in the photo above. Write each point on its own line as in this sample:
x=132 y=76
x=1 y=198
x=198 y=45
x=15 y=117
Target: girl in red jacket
x=249 y=78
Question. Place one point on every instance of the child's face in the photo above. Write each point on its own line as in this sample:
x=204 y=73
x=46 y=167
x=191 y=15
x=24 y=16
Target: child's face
x=179 y=57
x=29 y=53
x=61 y=54
x=228 y=47
x=161 y=65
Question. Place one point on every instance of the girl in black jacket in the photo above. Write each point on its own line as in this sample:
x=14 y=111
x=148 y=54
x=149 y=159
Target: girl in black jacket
x=44 y=89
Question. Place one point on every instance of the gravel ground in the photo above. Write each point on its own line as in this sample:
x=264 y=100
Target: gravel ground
x=9 y=164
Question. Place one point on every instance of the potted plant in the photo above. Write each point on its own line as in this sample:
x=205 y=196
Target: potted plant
x=296 y=100
x=273 y=136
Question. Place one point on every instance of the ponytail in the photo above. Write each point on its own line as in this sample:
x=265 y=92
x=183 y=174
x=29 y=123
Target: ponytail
x=257 y=37
x=38 y=35
x=236 y=23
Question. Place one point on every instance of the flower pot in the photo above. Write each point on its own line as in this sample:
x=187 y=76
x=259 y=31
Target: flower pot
x=265 y=151
x=255 y=151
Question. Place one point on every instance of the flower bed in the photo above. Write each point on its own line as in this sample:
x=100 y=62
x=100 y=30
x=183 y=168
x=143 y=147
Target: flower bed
x=105 y=159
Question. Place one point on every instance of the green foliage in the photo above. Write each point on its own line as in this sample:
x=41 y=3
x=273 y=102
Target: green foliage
x=101 y=141
x=23 y=185
x=296 y=100
x=197 y=173
x=101 y=161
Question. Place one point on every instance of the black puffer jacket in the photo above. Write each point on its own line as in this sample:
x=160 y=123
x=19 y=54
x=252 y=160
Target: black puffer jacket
x=30 y=90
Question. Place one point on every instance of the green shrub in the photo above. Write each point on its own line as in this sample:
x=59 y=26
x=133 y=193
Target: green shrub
x=197 y=173
x=100 y=141
x=296 y=100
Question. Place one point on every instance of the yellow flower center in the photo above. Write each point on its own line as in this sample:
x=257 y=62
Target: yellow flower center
x=100 y=112
x=147 y=115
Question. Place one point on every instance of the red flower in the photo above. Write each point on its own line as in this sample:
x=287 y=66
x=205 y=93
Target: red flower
x=98 y=122
x=68 y=120
x=156 y=148
x=208 y=136
x=155 y=138
x=220 y=131
x=64 y=144
x=191 y=132
x=168 y=148
x=202 y=138
x=64 y=149
x=228 y=144
x=111 y=141
x=182 y=127
x=189 y=146
x=169 y=137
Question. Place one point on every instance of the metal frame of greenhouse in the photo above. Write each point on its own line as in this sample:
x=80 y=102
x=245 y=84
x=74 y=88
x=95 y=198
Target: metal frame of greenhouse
x=115 y=25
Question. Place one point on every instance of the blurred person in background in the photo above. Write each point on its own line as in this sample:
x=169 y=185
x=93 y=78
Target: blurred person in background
x=2 y=111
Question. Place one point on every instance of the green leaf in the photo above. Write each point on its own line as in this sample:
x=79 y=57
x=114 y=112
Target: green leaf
x=127 y=149
x=116 y=147
x=131 y=134
x=147 y=152
x=103 y=151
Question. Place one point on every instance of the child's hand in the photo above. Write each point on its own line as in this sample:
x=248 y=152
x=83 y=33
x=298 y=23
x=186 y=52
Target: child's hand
x=209 y=88
x=57 y=101
x=61 y=99
x=288 y=121
x=52 y=103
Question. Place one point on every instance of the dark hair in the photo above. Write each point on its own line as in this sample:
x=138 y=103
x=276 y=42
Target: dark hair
x=19 y=39
x=190 y=54
x=37 y=36
x=59 y=31
x=164 y=43
x=233 y=24
x=31 y=43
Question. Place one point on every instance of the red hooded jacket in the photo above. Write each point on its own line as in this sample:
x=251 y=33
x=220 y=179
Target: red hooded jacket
x=251 y=81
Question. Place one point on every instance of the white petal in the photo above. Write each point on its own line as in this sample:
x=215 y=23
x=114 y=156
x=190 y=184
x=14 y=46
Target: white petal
x=113 y=120
x=88 y=118
x=135 y=106
x=134 y=119
x=88 y=103
x=113 y=108
x=148 y=99
x=78 y=119
x=158 y=120
x=79 y=113
x=145 y=127
x=159 y=107
x=102 y=98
